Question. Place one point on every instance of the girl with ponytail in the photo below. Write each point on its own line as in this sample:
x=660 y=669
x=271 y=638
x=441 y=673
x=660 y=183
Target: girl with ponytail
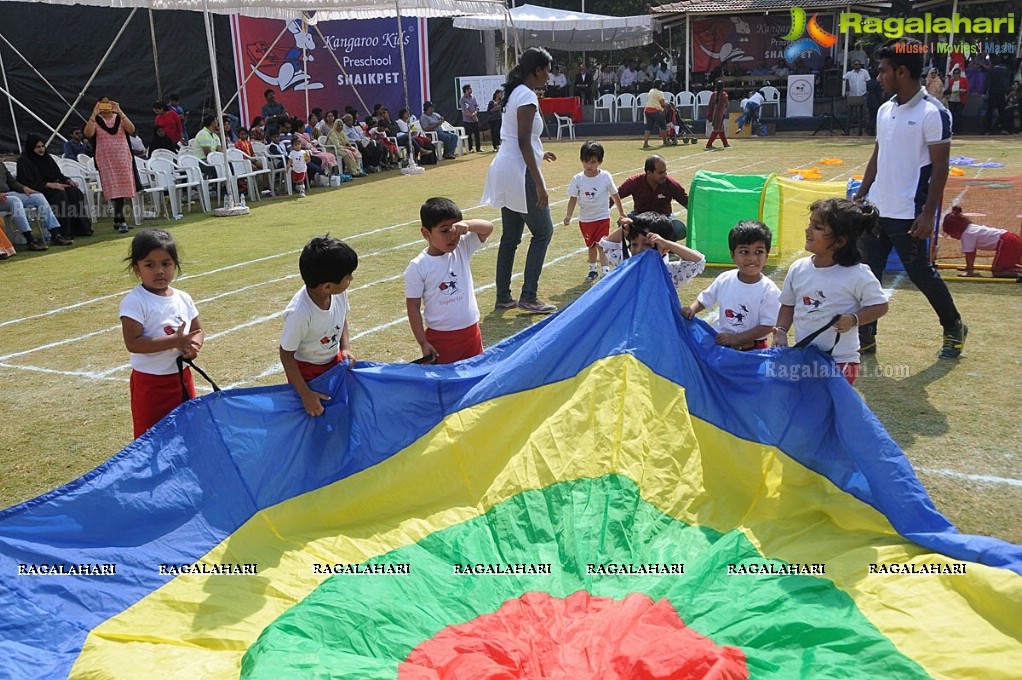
x=514 y=182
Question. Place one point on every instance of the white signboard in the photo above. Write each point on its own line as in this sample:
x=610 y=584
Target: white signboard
x=800 y=96
x=483 y=88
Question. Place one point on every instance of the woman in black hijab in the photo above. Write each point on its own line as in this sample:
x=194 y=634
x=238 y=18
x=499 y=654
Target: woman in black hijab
x=37 y=170
x=161 y=141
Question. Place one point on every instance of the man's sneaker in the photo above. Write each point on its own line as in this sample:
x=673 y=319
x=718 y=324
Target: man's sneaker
x=592 y=276
x=505 y=304
x=867 y=342
x=954 y=342
x=739 y=131
x=536 y=306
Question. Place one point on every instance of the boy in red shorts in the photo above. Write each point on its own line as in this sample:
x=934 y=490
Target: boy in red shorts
x=439 y=286
x=593 y=189
x=315 y=336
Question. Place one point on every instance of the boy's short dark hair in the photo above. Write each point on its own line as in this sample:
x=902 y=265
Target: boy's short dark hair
x=903 y=52
x=591 y=150
x=654 y=222
x=747 y=232
x=438 y=209
x=326 y=259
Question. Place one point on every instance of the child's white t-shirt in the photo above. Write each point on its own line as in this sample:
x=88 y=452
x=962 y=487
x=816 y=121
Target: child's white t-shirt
x=445 y=285
x=977 y=237
x=593 y=194
x=160 y=316
x=818 y=293
x=297 y=160
x=681 y=271
x=311 y=332
x=742 y=305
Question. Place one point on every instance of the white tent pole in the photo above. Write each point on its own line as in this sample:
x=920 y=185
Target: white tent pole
x=93 y=76
x=36 y=71
x=305 y=65
x=256 y=67
x=10 y=102
x=844 y=70
x=330 y=49
x=11 y=98
x=207 y=20
x=156 y=54
x=688 y=53
x=404 y=78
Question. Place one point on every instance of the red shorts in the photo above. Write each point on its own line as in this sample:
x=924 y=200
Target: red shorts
x=154 y=396
x=310 y=371
x=592 y=232
x=850 y=371
x=297 y=177
x=1009 y=253
x=456 y=345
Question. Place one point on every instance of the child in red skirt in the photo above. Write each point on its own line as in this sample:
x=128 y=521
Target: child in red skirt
x=315 y=337
x=439 y=286
x=159 y=324
x=1007 y=246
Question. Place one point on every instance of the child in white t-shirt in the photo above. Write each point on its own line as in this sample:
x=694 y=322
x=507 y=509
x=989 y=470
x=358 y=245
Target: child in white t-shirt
x=315 y=336
x=1006 y=246
x=653 y=230
x=439 y=285
x=159 y=324
x=749 y=302
x=297 y=164
x=832 y=283
x=593 y=189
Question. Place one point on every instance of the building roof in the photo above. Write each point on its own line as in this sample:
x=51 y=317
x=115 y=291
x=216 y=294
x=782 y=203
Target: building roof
x=747 y=6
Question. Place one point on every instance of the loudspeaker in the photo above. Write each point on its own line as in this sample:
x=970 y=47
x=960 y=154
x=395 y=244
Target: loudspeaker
x=830 y=87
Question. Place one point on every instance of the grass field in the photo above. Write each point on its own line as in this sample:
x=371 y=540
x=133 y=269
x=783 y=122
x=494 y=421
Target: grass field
x=64 y=366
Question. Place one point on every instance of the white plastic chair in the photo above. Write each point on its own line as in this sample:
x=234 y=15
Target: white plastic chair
x=189 y=161
x=241 y=166
x=78 y=173
x=685 y=100
x=460 y=132
x=640 y=106
x=771 y=97
x=275 y=173
x=564 y=123
x=625 y=102
x=668 y=98
x=604 y=103
x=164 y=154
x=153 y=189
x=702 y=100
x=174 y=181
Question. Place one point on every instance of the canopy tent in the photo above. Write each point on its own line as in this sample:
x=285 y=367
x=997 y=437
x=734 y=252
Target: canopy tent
x=565 y=30
x=309 y=10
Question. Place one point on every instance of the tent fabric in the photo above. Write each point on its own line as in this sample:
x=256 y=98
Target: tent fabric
x=319 y=9
x=564 y=29
x=608 y=442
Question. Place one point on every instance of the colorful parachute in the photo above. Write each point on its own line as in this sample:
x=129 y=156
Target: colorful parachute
x=607 y=494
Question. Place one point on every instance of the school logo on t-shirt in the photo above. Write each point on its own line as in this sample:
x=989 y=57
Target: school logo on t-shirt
x=450 y=286
x=811 y=304
x=328 y=341
x=170 y=330
x=737 y=316
x=590 y=193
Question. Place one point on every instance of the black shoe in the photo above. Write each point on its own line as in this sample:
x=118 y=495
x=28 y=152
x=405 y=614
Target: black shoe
x=954 y=342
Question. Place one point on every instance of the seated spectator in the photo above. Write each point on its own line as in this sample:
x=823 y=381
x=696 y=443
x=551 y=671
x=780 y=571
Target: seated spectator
x=432 y=121
x=382 y=136
x=557 y=85
x=77 y=144
x=14 y=197
x=272 y=108
x=275 y=148
x=584 y=84
x=229 y=132
x=608 y=81
x=629 y=78
x=320 y=156
x=161 y=140
x=372 y=153
x=347 y=151
x=169 y=121
x=38 y=171
x=407 y=136
x=258 y=123
x=244 y=144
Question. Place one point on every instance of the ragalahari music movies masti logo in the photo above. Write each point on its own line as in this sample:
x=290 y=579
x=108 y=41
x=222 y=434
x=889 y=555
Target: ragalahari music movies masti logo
x=817 y=36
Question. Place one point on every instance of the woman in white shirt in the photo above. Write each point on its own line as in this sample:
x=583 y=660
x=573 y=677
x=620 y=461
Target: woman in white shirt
x=515 y=183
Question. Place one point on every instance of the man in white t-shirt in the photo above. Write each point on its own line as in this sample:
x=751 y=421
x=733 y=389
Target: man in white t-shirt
x=905 y=179
x=315 y=336
x=592 y=190
x=856 y=79
x=439 y=285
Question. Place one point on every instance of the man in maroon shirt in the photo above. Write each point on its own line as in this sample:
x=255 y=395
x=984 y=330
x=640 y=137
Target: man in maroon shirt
x=653 y=191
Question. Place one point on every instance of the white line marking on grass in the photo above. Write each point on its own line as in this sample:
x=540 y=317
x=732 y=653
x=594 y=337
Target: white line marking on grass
x=77 y=374
x=982 y=479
